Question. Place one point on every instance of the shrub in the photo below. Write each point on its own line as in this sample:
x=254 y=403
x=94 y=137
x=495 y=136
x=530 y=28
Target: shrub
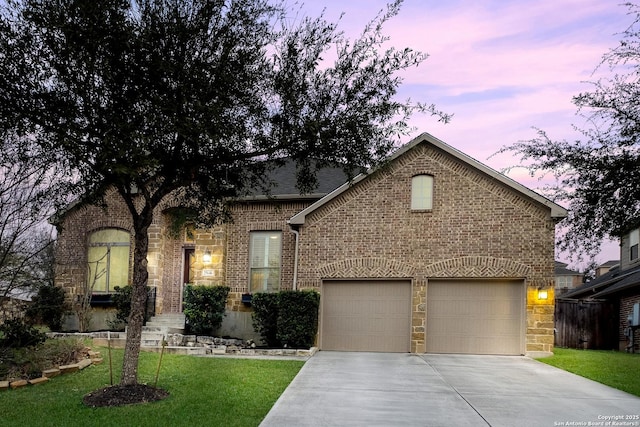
x=121 y=300
x=17 y=333
x=288 y=318
x=204 y=308
x=30 y=362
x=265 y=317
x=48 y=307
x=298 y=318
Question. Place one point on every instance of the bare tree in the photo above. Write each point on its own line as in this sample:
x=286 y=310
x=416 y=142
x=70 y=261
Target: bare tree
x=26 y=239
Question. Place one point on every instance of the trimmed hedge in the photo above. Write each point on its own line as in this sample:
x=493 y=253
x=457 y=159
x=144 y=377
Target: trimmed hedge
x=287 y=318
x=265 y=317
x=298 y=318
x=204 y=308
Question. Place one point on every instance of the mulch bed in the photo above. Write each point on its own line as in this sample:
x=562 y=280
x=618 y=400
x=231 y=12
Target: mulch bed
x=119 y=395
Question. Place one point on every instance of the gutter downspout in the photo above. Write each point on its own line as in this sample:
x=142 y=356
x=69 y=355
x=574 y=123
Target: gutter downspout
x=295 y=257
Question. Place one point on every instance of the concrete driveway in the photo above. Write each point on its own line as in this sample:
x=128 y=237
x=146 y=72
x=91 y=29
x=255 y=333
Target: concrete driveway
x=384 y=389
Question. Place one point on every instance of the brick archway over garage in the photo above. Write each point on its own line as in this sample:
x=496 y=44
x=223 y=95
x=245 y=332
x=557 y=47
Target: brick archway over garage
x=477 y=267
x=366 y=268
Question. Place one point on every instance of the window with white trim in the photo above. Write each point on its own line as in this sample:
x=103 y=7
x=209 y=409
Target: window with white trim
x=564 y=282
x=422 y=192
x=634 y=237
x=108 y=260
x=265 y=249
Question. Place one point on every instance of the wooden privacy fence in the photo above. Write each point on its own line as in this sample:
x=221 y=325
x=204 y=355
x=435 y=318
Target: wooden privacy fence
x=586 y=324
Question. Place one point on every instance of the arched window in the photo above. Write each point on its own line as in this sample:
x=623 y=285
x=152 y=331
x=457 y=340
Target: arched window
x=422 y=192
x=108 y=260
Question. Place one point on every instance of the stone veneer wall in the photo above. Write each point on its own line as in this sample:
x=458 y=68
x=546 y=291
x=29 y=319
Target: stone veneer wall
x=478 y=228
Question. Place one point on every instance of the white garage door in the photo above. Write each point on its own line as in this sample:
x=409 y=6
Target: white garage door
x=475 y=317
x=366 y=316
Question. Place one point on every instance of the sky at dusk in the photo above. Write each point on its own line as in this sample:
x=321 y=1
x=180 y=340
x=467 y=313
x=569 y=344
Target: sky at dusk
x=501 y=67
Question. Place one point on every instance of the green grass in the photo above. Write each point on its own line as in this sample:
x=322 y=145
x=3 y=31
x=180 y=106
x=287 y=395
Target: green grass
x=203 y=391
x=615 y=369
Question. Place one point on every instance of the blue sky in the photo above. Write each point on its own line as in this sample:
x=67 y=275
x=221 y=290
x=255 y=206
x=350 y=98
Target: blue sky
x=500 y=67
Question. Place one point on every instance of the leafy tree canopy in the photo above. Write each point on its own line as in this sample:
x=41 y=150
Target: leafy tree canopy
x=597 y=175
x=187 y=98
x=163 y=96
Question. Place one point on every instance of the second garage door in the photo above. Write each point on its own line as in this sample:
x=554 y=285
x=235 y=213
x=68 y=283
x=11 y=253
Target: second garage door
x=366 y=316
x=475 y=317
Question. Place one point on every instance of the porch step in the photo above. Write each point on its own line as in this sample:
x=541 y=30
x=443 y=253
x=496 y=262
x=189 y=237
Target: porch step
x=151 y=339
x=158 y=327
x=172 y=323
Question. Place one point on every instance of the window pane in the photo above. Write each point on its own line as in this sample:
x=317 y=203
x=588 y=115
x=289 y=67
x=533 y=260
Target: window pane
x=633 y=244
x=264 y=261
x=118 y=267
x=97 y=276
x=422 y=192
x=108 y=260
x=109 y=235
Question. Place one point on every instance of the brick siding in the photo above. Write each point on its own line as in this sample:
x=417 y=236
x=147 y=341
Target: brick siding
x=626 y=308
x=478 y=228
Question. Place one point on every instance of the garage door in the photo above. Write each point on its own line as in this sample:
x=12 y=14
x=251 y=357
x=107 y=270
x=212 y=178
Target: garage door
x=475 y=317
x=366 y=316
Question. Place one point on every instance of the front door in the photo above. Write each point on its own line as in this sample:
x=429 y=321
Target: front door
x=187 y=270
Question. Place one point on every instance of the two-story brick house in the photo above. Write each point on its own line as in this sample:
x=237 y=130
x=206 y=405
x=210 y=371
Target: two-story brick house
x=432 y=252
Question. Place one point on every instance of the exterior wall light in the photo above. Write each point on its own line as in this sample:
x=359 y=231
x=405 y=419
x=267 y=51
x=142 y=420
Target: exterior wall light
x=206 y=258
x=542 y=294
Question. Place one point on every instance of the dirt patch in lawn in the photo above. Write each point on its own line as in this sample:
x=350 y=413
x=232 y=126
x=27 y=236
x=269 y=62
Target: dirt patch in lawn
x=119 y=395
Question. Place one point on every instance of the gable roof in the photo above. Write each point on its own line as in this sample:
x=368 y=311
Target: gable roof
x=283 y=180
x=557 y=211
x=562 y=270
x=609 y=264
x=611 y=282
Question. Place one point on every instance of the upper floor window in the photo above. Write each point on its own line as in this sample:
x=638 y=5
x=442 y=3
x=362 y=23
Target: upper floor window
x=422 y=192
x=564 y=282
x=634 y=237
x=265 y=250
x=108 y=260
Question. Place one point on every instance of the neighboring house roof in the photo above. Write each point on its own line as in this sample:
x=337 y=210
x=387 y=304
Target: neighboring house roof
x=562 y=270
x=610 y=263
x=21 y=294
x=557 y=211
x=612 y=282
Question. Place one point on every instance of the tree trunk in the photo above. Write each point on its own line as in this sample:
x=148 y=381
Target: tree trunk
x=138 y=305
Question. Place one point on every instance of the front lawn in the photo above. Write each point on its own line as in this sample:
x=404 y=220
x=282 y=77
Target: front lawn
x=613 y=368
x=203 y=391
